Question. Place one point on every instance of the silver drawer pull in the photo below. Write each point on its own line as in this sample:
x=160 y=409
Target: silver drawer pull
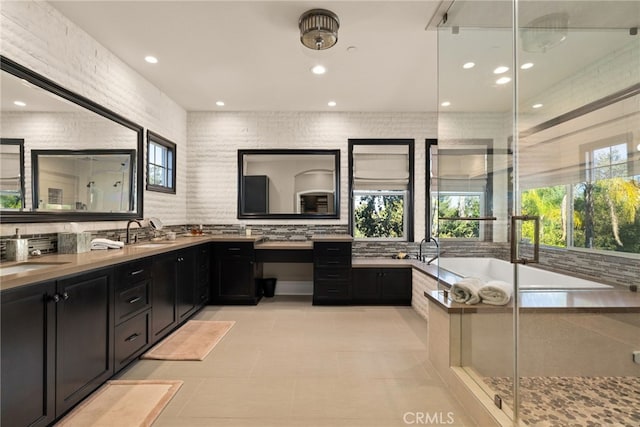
x=333 y=249
x=132 y=337
x=134 y=300
x=134 y=273
x=234 y=249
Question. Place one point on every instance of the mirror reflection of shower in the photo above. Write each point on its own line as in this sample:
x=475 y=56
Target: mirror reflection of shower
x=90 y=180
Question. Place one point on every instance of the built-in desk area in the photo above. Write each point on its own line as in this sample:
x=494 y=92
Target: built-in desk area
x=284 y=251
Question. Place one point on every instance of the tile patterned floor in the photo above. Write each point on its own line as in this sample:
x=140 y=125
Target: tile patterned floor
x=288 y=363
x=574 y=401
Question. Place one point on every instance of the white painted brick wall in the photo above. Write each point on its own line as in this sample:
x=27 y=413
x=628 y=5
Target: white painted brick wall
x=36 y=35
x=215 y=137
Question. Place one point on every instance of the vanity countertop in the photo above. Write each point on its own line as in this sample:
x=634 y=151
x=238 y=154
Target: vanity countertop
x=67 y=264
x=285 y=245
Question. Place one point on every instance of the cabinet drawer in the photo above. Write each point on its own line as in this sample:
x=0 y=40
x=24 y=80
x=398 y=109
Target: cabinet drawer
x=331 y=289
x=332 y=261
x=332 y=249
x=235 y=249
x=336 y=273
x=133 y=272
x=132 y=300
x=131 y=338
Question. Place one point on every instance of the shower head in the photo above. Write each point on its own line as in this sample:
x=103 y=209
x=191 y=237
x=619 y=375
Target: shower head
x=90 y=184
x=115 y=184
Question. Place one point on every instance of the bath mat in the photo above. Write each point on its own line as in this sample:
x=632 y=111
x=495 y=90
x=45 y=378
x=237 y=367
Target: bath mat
x=193 y=341
x=123 y=403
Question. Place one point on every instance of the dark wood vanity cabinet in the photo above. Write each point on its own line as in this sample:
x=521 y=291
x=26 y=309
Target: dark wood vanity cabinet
x=84 y=336
x=164 y=315
x=133 y=288
x=235 y=273
x=203 y=275
x=28 y=326
x=332 y=273
x=382 y=286
x=57 y=345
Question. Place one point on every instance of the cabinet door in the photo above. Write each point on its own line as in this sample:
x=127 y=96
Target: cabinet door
x=163 y=299
x=235 y=273
x=396 y=285
x=28 y=355
x=186 y=283
x=366 y=285
x=84 y=336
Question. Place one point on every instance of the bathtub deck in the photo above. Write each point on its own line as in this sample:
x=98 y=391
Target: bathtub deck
x=603 y=301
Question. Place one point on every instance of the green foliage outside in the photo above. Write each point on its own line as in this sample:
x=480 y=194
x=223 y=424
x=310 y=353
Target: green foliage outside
x=458 y=206
x=10 y=201
x=606 y=215
x=547 y=203
x=380 y=216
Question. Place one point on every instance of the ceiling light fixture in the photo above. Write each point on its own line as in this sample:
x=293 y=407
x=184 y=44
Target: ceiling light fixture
x=503 y=80
x=20 y=103
x=151 y=59
x=445 y=104
x=545 y=32
x=468 y=65
x=220 y=103
x=526 y=65
x=536 y=106
x=318 y=29
x=500 y=70
x=332 y=103
x=318 y=69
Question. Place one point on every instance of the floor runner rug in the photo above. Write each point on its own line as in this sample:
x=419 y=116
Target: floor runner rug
x=193 y=341
x=123 y=403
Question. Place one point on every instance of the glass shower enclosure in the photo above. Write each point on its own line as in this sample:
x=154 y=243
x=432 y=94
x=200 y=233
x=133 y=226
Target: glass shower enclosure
x=536 y=184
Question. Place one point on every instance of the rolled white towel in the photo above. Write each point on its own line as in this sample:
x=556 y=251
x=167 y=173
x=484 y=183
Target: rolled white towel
x=101 y=244
x=496 y=292
x=466 y=290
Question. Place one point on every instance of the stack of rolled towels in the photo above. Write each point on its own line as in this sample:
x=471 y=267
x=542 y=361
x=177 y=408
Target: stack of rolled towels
x=472 y=290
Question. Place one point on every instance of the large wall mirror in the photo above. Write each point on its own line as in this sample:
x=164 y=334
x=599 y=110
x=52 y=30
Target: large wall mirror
x=80 y=162
x=288 y=184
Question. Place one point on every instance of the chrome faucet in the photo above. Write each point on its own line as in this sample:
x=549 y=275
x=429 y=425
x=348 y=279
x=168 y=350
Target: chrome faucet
x=131 y=221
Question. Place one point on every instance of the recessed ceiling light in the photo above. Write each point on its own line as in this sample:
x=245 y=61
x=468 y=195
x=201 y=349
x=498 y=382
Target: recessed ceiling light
x=332 y=103
x=468 y=65
x=638 y=147
x=501 y=69
x=503 y=80
x=151 y=59
x=536 y=106
x=526 y=65
x=445 y=104
x=20 y=103
x=352 y=49
x=318 y=69
x=220 y=103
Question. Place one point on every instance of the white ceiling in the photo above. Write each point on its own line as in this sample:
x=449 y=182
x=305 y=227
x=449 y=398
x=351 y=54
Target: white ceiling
x=248 y=53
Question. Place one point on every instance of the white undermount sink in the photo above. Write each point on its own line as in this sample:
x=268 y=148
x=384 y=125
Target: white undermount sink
x=151 y=245
x=28 y=266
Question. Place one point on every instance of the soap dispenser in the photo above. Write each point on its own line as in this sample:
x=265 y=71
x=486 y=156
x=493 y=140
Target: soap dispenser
x=17 y=248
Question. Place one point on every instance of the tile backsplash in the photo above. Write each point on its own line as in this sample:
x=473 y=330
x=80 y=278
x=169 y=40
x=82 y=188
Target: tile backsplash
x=615 y=270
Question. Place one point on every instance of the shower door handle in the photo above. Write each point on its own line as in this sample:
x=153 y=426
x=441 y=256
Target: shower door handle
x=536 y=240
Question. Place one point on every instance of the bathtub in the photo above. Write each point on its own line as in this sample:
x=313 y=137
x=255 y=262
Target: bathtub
x=529 y=277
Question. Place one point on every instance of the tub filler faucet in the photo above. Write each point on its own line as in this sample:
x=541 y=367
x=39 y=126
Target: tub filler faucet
x=421 y=257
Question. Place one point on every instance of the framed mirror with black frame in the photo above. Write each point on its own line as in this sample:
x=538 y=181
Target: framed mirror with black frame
x=46 y=116
x=288 y=184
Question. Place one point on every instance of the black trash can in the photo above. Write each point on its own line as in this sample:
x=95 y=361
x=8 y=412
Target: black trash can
x=269 y=287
